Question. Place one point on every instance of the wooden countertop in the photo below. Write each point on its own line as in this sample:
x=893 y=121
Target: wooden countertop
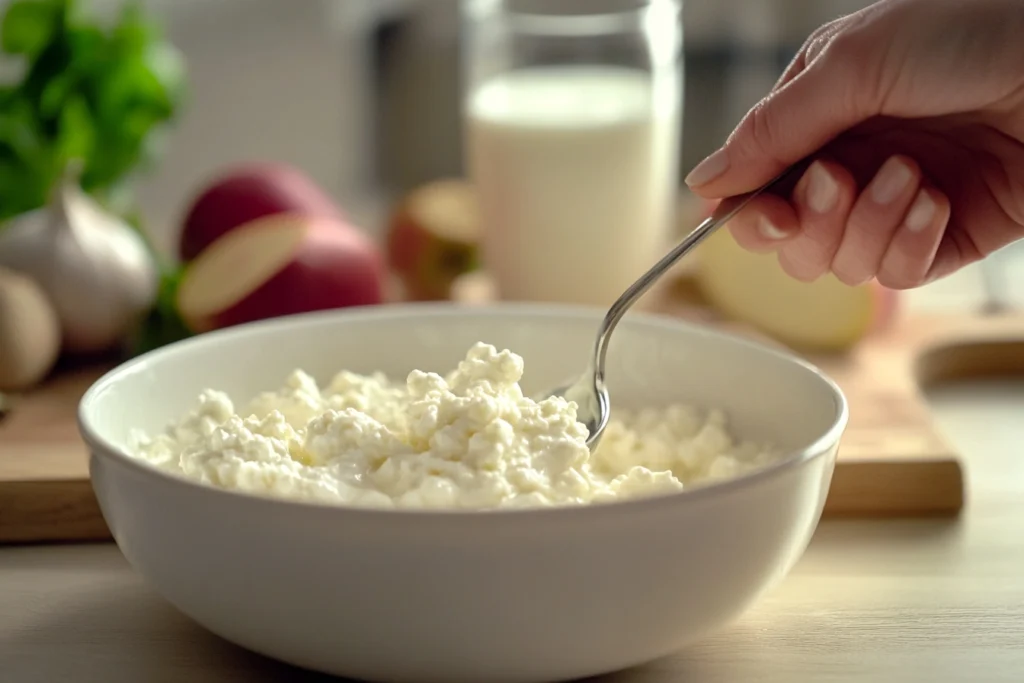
x=907 y=601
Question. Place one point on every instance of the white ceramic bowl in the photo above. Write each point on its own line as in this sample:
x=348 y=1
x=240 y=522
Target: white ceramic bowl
x=501 y=596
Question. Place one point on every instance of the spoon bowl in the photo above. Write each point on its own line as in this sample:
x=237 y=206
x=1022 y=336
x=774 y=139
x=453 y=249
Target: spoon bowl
x=593 y=404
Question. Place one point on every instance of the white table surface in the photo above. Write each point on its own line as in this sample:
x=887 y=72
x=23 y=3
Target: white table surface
x=899 y=601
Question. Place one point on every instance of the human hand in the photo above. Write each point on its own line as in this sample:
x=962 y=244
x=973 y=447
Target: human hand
x=913 y=111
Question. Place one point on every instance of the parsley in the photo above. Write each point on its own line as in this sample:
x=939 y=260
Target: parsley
x=98 y=94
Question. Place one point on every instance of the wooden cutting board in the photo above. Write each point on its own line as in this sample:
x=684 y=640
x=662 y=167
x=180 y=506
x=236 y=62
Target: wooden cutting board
x=893 y=462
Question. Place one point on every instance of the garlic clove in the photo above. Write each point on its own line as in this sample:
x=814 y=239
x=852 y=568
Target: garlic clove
x=30 y=333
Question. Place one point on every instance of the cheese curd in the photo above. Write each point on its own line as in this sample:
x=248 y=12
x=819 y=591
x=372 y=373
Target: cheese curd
x=468 y=440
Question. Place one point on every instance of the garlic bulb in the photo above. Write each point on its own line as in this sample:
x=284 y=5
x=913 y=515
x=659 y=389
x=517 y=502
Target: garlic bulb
x=94 y=267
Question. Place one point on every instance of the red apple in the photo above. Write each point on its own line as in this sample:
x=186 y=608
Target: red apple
x=822 y=315
x=280 y=265
x=245 y=193
x=432 y=238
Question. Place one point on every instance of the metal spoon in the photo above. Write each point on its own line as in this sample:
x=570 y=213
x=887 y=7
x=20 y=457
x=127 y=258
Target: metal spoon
x=589 y=391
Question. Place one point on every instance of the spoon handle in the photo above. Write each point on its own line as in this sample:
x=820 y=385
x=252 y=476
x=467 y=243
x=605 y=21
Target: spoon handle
x=726 y=209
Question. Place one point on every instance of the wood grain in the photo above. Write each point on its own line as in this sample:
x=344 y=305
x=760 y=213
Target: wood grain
x=893 y=462
x=893 y=454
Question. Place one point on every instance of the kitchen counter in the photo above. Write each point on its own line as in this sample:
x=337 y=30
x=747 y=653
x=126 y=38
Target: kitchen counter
x=900 y=601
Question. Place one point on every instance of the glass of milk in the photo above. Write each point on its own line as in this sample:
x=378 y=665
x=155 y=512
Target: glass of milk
x=572 y=114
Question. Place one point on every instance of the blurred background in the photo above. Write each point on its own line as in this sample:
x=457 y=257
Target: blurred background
x=364 y=97
x=364 y=94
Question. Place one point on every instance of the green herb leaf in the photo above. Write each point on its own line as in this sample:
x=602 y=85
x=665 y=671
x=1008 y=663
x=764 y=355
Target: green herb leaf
x=28 y=26
x=24 y=160
x=76 y=138
x=99 y=94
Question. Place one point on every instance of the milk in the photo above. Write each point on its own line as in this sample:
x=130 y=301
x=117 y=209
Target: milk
x=576 y=173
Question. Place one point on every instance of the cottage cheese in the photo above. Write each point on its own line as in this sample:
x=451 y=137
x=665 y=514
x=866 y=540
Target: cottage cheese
x=468 y=440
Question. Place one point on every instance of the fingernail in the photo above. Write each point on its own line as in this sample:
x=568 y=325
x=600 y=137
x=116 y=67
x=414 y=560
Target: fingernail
x=769 y=230
x=921 y=212
x=822 y=189
x=891 y=181
x=709 y=169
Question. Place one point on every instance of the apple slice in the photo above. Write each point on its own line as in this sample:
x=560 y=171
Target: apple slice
x=824 y=315
x=280 y=265
x=247 y=192
x=432 y=238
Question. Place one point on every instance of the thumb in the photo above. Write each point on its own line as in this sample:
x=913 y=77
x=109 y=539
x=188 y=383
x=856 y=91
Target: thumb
x=828 y=97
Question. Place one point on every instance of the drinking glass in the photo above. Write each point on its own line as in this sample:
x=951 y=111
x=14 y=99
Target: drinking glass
x=572 y=112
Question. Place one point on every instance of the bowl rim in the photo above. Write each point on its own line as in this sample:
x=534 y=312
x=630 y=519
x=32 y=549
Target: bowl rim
x=101 y=447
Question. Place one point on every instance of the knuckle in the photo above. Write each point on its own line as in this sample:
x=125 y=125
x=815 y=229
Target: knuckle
x=822 y=37
x=841 y=44
x=854 y=58
x=763 y=128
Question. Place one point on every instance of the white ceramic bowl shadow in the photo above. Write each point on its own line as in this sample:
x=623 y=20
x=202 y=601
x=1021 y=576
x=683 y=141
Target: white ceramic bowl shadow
x=504 y=596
